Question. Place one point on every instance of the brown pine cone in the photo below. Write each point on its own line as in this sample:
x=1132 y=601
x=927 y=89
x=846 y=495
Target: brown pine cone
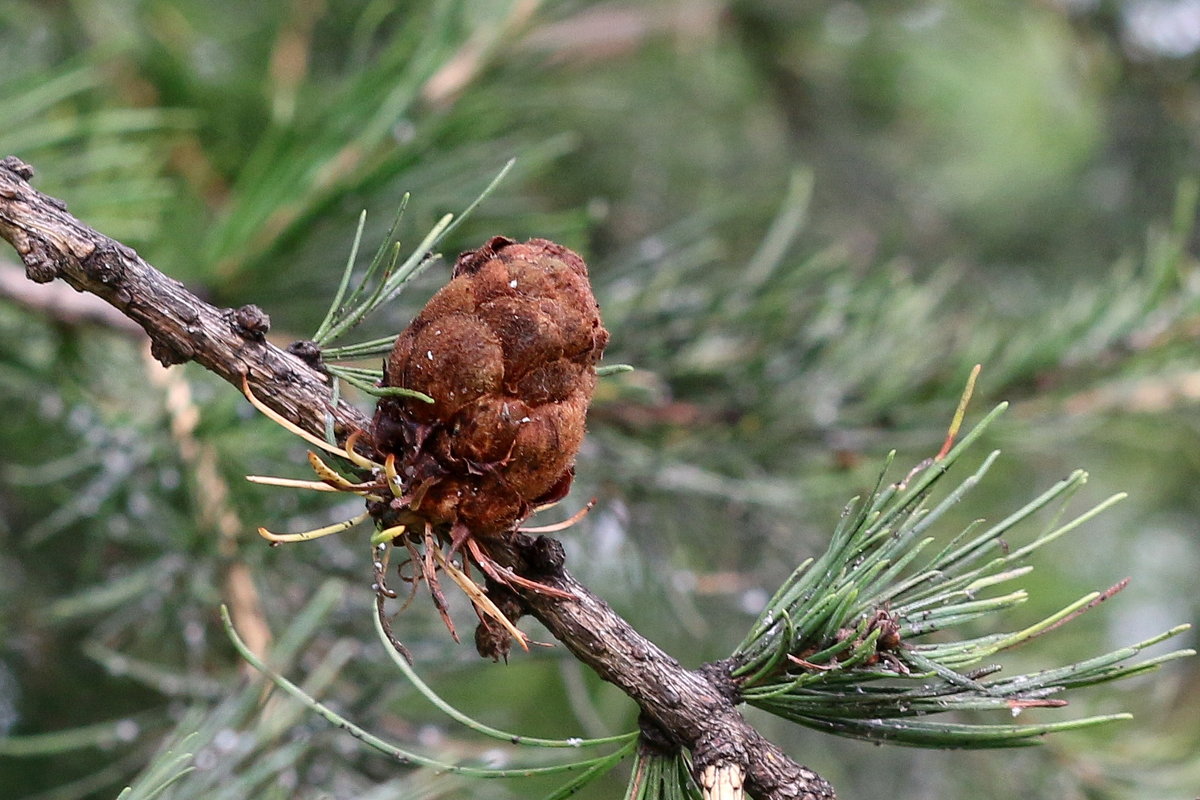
x=507 y=350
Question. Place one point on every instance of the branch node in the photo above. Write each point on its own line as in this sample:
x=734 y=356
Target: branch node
x=544 y=556
x=492 y=641
x=104 y=265
x=309 y=352
x=169 y=353
x=42 y=263
x=17 y=167
x=249 y=322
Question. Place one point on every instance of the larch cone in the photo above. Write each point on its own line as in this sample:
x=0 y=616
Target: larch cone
x=507 y=350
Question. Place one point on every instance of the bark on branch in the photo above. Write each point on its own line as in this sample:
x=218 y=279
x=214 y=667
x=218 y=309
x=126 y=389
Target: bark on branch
x=694 y=709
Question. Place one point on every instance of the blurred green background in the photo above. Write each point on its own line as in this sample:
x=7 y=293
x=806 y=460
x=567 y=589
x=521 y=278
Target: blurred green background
x=805 y=222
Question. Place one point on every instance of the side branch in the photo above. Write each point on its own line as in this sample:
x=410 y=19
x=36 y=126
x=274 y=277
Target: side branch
x=695 y=709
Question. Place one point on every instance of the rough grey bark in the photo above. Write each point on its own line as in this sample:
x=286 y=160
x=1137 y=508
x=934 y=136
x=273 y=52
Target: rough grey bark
x=694 y=709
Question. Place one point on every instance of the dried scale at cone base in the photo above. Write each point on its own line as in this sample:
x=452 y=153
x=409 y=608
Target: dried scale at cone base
x=507 y=350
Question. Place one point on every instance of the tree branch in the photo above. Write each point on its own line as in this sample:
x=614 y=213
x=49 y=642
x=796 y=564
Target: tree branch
x=182 y=327
x=694 y=709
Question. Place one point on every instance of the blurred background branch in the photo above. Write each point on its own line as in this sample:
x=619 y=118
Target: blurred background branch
x=1006 y=186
